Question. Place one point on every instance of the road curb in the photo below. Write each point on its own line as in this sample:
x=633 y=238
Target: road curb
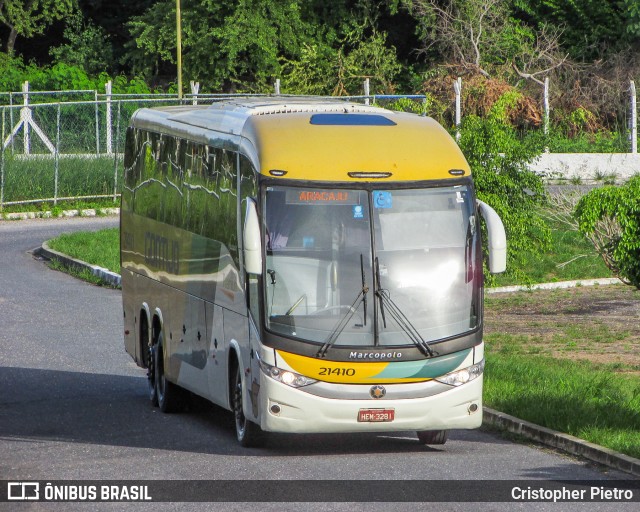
x=554 y=286
x=564 y=442
x=543 y=435
x=104 y=274
x=89 y=212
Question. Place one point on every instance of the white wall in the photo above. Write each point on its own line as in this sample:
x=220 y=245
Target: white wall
x=588 y=166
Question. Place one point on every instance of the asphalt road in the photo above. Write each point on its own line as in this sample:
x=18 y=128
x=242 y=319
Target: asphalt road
x=73 y=406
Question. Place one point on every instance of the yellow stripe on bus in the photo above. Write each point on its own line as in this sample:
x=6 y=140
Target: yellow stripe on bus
x=345 y=372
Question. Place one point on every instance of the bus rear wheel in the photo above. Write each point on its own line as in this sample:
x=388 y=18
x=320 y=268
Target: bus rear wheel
x=151 y=375
x=169 y=395
x=432 y=436
x=248 y=433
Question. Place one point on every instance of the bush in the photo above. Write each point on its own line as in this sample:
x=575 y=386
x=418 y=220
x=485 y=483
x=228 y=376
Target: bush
x=599 y=142
x=610 y=218
x=61 y=77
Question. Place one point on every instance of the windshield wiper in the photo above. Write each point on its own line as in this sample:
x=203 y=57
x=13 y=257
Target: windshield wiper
x=400 y=318
x=378 y=287
x=362 y=296
x=364 y=285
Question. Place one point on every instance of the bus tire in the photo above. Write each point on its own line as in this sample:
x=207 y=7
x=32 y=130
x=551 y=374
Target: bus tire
x=147 y=352
x=248 y=433
x=151 y=375
x=168 y=394
x=432 y=436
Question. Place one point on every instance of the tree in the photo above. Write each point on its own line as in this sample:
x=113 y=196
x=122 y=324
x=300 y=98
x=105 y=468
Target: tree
x=543 y=55
x=88 y=46
x=632 y=8
x=28 y=18
x=471 y=33
x=225 y=43
x=313 y=46
x=592 y=29
x=254 y=36
x=110 y=17
x=610 y=219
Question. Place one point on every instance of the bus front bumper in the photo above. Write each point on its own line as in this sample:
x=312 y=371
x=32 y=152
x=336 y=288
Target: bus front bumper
x=287 y=409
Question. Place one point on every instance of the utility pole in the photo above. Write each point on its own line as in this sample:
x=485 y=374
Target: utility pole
x=179 y=47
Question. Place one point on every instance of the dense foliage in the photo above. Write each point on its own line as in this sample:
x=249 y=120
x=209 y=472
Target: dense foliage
x=317 y=46
x=610 y=218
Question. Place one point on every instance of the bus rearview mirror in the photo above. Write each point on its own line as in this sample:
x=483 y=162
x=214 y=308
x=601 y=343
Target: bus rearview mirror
x=251 y=240
x=497 y=238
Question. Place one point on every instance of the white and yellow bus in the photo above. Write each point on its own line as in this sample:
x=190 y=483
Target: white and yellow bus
x=312 y=265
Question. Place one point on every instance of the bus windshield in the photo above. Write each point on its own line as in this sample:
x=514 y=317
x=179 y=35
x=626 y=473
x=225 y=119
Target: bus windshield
x=341 y=264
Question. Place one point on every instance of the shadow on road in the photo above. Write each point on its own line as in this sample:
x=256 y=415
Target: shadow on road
x=114 y=410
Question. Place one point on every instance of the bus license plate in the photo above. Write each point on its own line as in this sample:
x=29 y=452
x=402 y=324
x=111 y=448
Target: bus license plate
x=375 y=415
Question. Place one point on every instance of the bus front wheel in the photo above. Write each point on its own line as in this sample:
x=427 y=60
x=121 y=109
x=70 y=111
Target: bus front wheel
x=432 y=436
x=248 y=433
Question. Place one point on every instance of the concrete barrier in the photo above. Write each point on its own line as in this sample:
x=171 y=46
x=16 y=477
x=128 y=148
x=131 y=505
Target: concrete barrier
x=587 y=167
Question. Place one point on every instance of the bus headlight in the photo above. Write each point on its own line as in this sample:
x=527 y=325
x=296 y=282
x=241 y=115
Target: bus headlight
x=295 y=380
x=463 y=376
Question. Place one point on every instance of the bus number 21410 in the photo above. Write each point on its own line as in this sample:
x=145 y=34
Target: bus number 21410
x=349 y=372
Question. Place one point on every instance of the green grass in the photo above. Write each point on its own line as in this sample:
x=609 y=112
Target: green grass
x=100 y=248
x=83 y=274
x=582 y=399
x=34 y=178
x=58 y=208
x=571 y=257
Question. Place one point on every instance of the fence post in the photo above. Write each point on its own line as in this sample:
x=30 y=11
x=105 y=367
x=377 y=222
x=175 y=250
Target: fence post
x=57 y=159
x=3 y=149
x=195 y=88
x=457 y=87
x=276 y=87
x=366 y=91
x=107 y=89
x=24 y=115
x=546 y=106
x=115 y=158
x=10 y=120
x=97 y=123
x=634 y=119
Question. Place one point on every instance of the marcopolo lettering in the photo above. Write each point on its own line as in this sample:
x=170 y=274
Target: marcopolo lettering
x=161 y=253
x=374 y=355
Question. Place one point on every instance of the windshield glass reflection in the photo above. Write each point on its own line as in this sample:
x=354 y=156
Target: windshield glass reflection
x=320 y=265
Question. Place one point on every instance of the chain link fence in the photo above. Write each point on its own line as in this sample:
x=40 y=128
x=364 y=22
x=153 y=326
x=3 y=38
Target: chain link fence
x=64 y=151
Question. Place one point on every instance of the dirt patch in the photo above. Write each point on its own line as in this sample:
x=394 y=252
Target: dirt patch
x=600 y=324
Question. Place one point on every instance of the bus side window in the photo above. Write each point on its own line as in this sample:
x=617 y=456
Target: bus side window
x=131 y=171
x=149 y=192
x=249 y=190
x=226 y=211
x=173 y=182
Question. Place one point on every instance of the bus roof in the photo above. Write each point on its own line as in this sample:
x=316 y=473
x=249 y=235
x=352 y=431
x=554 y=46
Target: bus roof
x=320 y=138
